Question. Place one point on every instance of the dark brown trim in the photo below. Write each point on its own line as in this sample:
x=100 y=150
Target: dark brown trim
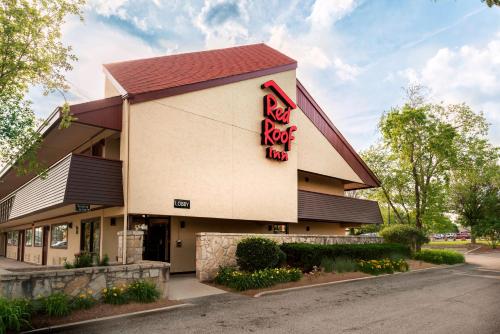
x=148 y=96
x=73 y=214
x=105 y=113
x=333 y=135
x=315 y=206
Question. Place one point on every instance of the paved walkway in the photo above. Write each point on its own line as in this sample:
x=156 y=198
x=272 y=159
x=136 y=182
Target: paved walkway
x=186 y=286
x=6 y=264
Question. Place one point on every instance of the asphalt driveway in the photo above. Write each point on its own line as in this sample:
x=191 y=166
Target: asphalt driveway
x=463 y=299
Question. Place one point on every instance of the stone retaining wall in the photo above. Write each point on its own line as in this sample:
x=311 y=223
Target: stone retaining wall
x=219 y=249
x=42 y=281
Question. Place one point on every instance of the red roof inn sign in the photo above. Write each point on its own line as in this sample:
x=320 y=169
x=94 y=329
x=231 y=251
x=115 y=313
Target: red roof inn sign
x=274 y=114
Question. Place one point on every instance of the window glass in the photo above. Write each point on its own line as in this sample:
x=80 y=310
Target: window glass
x=59 y=236
x=12 y=238
x=29 y=237
x=38 y=236
x=280 y=228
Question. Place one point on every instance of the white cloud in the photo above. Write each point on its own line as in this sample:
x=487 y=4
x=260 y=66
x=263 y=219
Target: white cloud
x=469 y=74
x=326 y=12
x=109 y=7
x=95 y=44
x=223 y=22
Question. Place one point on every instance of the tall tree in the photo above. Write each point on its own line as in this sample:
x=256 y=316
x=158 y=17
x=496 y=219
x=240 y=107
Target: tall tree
x=475 y=184
x=31 y=53
x=421 y=144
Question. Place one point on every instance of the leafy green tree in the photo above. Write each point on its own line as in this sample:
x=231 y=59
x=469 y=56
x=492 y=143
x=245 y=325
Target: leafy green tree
x=422 y=143
x=492 y=3
x=31 y=54
x=475 y=186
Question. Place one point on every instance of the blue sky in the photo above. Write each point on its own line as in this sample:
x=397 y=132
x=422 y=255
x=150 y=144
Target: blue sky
x=354 y=56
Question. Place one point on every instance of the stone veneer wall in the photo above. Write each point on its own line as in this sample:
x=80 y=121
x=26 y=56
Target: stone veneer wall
x=43 y=281
x=134 y=246
x=219 y=249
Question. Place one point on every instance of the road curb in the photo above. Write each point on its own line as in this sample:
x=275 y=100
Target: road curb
x=104 y=319
x=264 y=293
x=472 y=250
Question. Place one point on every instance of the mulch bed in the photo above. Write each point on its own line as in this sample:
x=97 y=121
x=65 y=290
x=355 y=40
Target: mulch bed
x=99 y=311
x=320 y=277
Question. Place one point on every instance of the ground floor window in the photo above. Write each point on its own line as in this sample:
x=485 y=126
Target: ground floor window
x=59 y=236
x=12 y=237
x=280 y=228
x=29 y=237
x=38 y=236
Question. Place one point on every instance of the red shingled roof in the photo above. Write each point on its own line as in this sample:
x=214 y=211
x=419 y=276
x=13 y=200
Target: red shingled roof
x=157 y=77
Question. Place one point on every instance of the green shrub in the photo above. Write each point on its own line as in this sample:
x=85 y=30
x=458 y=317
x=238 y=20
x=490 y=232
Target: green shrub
x=83 y=301
x=104 y=261
x=56 y=305
x=257 y=253
x=384 y=266
x=115 y=295
x=240 y=280
x=439 y=256
x=344 y=264
x=327 y=264
x=404 y=234
x=143 y=292
x=83 y=260
x=306 y=256
x=14 y=315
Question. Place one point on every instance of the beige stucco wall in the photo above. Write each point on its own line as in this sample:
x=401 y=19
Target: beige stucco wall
x=33 y=254
x=109 y=89
x=205 y=146
x=12 y=252
x=110 y=237
x=320 y=184
x=316 y=228
x=317 y=155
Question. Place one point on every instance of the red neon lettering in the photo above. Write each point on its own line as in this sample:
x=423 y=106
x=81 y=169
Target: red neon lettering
x=270 y=134
x=291 y=137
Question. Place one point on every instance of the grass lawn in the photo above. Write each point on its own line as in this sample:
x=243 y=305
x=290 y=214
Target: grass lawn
x=455 y=243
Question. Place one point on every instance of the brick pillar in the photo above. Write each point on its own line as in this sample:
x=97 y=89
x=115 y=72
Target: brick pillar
x=134 y=246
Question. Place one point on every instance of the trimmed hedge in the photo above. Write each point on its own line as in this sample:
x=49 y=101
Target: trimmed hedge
x=439 y=256
x=258 y=253
x=404 y=234
x=306 y=256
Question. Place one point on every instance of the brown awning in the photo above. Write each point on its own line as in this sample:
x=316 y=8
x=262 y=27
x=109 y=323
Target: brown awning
x=337 y=209
x=76 y=179
x=92 y=118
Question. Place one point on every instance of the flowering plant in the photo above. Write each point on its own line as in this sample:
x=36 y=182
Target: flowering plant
x=115 y=295
x=84 y=300
x=384 y=266
x=242 y=280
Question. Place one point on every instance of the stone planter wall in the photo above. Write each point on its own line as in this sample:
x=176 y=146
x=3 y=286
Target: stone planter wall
x=43 y=281
x=134 y=246
x=219 y=249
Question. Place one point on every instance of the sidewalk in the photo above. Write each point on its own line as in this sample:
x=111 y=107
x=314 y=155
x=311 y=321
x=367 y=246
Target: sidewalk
x=187 y=286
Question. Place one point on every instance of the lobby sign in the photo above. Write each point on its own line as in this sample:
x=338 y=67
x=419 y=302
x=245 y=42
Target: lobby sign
x=274 y=115
x=182 y=203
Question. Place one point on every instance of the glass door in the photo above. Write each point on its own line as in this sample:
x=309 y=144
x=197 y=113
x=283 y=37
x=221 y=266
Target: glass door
x=90 y=236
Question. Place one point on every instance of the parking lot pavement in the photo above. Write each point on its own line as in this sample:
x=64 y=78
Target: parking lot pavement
x=455 y=300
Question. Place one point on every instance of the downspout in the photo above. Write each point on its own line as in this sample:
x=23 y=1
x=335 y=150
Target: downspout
x=126 y=187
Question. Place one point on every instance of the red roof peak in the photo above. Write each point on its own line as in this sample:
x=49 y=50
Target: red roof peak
x=180 y=73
